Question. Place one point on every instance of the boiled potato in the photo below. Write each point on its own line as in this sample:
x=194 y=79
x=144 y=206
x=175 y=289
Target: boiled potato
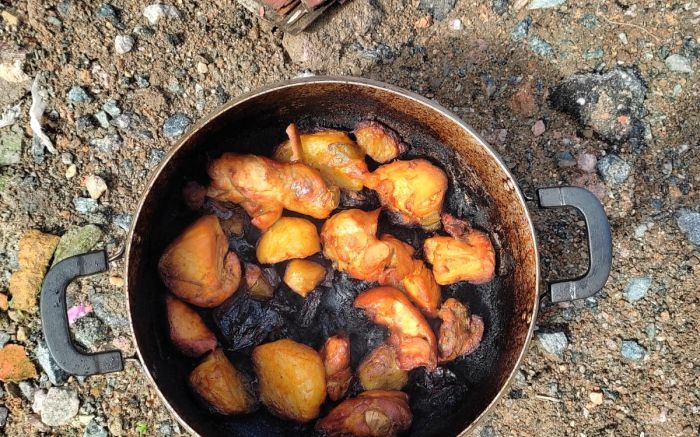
x=292 y=379
x=380 y=370
x=221 y=386
x=302 y=276
x=288 y=238
x=187 y=330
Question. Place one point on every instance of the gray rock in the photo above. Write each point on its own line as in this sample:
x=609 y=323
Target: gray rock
x=176 y=125
x=108 y=144
x=689 y=223
x=123 y=221
x=90 y=332
x=611 y=103
x=67 y=158
x=56 y=375
x=554 y=343
x=123 y=44
x=37 y=150
x=499 y=7
x=439 y=9
x=154 y=158
x=85 y=205
x=3 y=416
x=38 y=402
x=78 y=95
x=94 y=429
x=637 y=288
x=540 y=47
x=60 y=406
x=520 y=31
x=102 y=119
x=589 y=21
x=11 y=142
x=155 y=12
x=650 y=331
x=64 y=8
x=142 y=80
x=110 y=308
x=27 y=389
x=4 y=338
x=595 y=53
x=566 y=159
x=106 y=11
x=691 y=48
x=76 y=241
x=111 y=108
x=613 y=169
x=543 y=4
x=632 y=351
x=679 y=63
x=487 y=431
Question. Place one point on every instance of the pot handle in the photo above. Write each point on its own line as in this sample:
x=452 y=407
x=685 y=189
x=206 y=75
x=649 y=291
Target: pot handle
x=599 y=241
x=54 y=317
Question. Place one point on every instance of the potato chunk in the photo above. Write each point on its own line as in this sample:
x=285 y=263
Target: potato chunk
x=379 y=370
x=460 y=332
x=292 y=379
x=258 y=285
x=288 y=238
x=220 y=385
x=187 y=330
x=333 y=153
x=409 y=332
x=198 y=268
x=467 y=255
x=380 y=142
x=375 y=413
x=413 y=190
x=302 y=276
x=336 y=359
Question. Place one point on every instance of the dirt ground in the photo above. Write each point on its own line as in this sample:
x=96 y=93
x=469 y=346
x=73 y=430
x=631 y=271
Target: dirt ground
x=629 y=363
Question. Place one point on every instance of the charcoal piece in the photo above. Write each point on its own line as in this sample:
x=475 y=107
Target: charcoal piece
x=307 y=315
x=365 y=199
x=365 y=341
x=245 y=251
x=246 y=322
x=436 y=393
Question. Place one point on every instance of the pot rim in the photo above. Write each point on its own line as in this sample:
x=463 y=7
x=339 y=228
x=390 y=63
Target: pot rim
x=371 y=83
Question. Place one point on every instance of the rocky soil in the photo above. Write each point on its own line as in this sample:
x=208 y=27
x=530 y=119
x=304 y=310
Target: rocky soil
x=599 y=94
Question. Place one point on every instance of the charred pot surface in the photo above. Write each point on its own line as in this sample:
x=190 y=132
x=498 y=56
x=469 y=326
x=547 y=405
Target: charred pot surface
x=484 y=193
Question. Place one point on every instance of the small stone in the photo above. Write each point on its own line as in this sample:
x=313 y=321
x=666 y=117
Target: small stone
x=38 y=402
x=589 y=21
x=637 y=288
x=439 y=9
x=71 y=171
x=3 y=307
x=202 y=68
x=176 y=125
x=85 y=122
x=142 y=81
x=622 y=36
x=3 y=416
x=109 y=144
x=11 y=141
x=78 y=95
x=423 y=22
x=566 y=159
x=520 y=31
x=56 y=375
x=35 y=251
x=587 y=162
x=13 y=72
x=102 y=119
x=96 y=186
x=21 y=334
x=540 y=47
x=123 y=221
x=640 y=230
x=116 y=281
x=176 y=39
x=111 y=108
x=650 y=331
x=543 y=4
x=59 y=407
x=37 y=150
x=689 y=223
x=499 y=7
x=632 y=351
x=66 y=158
x=90 y=332
x=27 y=389
x=110 y=308
x=94 y=429
x=155 y=12
x=596 y=397
x=123 y=44
x=154 y=158
x=613 y=169
x=10 y=19
x=76 y=241
x=107 y=11
x=456 y=24
x=85 y=205
x=554 y=343
x=595 y=53
x=488 y=431
x=15 y=365
x=679 y=63
x=538 y=128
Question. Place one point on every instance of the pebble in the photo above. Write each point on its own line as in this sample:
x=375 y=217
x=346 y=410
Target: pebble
x=637 y=288
x=587 y=162
x=679 y=63
x=94 y=429
x=566 y=159
x=108 y=144
x=96 y=186
x=596 y=397
x=76 y=241
x=38 y=402
x=622 y=36
x=488 y=431
x=3 y=416
x=520 y=30
x=499 y=7
x=37 y=150
x=71 y=171
x=85 y=122
x=589 y=21
x=4 y=338
x=123 y=221
x=123 y=44
x=595 y=53
x=437 y=8
x=56 y=375
x=156 y=12
x=90 y=332
x=632 y=351
x=116 y=281
x=176 y=125
x=142 y=81
x=650 y=331
x=85 y=205
x=27 y=389
x=202 y=68
x=554 y=343
x=111 y=108
x=78 y=95
x=689 y=223
x=11 y=142
x=110 y=308
x=613 y=169
x=543 y=4
x=540 y=47
x=59 y=407
x=538 y=128
x=102 y=119
x=640 y=230
x=456 y=24
x=67 y=158
x=107 y=11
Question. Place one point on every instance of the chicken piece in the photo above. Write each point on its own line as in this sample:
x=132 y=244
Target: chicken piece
x=350 y=242
x=467 y=255
x=336 y=359
x=288 y=238
x=376 y=413
x=409 y=332
x=413 y=190
x=460 y=333
x=220 y=385
x=379 y=370
x=292 y=379
x=380 y=142
x=187 y=330
x=264 y=187
x=198 y=268
x=302 y=276
x=333 y=153
x=258 y=285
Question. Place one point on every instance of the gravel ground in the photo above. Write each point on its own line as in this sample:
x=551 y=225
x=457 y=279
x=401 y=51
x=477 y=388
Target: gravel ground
x=598 y=94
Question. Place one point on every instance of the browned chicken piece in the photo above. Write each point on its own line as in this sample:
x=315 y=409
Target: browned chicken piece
x=413 y=190
x=467 y=255
x=380 y=142
x=303 y=276
x=409 y=332
x=194 y=194
x=288 y=238
x=336 y=359
x=292 y=379
x=460 y=332
x=187 y=330
x=379 y=370
x=333 y=153
x=350 y=242
x=258 y=285
x=198 y=268
x=264 y=187
x=219 y=384
x=376 y=413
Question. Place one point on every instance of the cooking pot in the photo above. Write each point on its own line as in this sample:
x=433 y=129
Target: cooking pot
x=253 y=123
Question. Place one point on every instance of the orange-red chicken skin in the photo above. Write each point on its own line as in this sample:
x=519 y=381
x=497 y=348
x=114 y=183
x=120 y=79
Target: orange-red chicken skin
x=335 y=354
x=460 y=332
x=379 y=142
x=375 y=413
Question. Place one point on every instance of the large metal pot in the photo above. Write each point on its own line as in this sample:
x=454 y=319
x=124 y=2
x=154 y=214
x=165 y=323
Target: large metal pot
x=509 y=304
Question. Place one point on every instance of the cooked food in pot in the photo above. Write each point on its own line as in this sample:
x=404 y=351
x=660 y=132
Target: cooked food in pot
x=380 y=142
x=375 y=413
x=336 y=359
x=303 y=276
x=288 y=238
x=460 y=333
x=221 y=386
x=380 y=370
x=258 y=285
x=188 y=332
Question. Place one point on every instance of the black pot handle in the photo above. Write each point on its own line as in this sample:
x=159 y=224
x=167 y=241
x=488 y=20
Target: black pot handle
x=599 y=241
x=54 y=317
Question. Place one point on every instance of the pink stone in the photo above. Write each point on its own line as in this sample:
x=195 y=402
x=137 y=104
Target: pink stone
x=587 y=162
